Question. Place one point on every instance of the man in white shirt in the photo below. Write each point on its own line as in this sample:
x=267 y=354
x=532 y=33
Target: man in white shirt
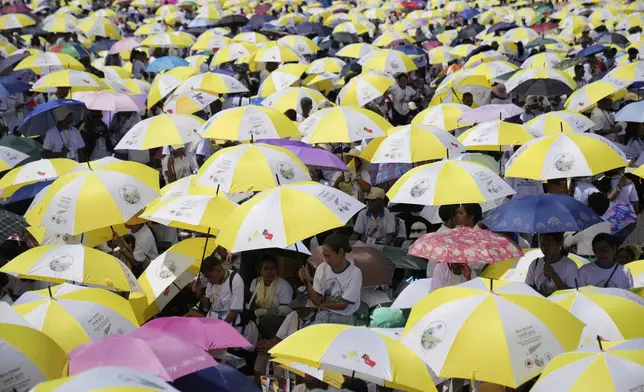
x=223 y=297
x=605 y=272
x=400 y=95
x=178 y=165
x=583 y=240
x=375 y=224
x=604 y=120
x=64 y=140
x=145 y=246
x=583 y=189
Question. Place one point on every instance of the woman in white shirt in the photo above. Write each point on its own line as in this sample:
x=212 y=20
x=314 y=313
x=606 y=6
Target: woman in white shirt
x=271 y=294
x=605 y=272
x=554 y=271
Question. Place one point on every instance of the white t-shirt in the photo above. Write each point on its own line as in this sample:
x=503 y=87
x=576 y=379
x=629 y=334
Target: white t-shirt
x=400 y=98
x=56 y=139
x=525 y=187
x=138 y=68
x=584 y=189
x=593 y=275
x=291 y=324
x=183 y=166
x=145 y=247
x=336 y=286
x=565 y=268
x=628 y=193
x=367 y=227
x=222 y=300
x=283 y=292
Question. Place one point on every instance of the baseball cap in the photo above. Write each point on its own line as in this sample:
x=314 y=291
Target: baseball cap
x=376 y=193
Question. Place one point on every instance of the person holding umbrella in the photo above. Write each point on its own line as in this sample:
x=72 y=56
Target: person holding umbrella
x=64 y=140
x=554 y=271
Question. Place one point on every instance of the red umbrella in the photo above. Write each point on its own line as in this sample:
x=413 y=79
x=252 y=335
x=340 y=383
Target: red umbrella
x=376 y=268
x=465 y=245
x=543 y=27
x=262 y=9
x=15 y=9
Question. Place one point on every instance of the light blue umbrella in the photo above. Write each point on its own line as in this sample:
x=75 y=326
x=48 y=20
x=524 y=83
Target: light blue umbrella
x=165 y=63
x=633 y=112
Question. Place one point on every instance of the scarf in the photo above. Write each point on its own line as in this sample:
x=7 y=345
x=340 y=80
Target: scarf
x=265 y=299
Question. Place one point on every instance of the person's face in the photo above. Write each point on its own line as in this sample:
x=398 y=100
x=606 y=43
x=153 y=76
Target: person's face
x=468 y=100
x=216 y=275
x=550 y=247
x=333 y=258
x=375 y=205
x=604 y=252
x=179 y=152
x=63 y=91
x=463 y=218
x=403 y=81
x=457 y=268
x=604 y=104
x=67 y=121
x=623 y=257
x=268 y=271
x=306 y=109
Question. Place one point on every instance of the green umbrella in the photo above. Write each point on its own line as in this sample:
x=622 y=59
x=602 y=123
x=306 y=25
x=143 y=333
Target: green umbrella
x=24 y=145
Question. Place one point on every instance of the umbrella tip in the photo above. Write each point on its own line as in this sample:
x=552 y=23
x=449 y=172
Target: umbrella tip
x=599 y=341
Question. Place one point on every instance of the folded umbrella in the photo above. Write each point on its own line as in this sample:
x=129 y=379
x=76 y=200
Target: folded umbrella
x=542 y=214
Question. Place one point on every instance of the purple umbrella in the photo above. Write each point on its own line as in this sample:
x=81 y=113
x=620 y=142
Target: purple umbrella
x=313 y=157
x=283 y=142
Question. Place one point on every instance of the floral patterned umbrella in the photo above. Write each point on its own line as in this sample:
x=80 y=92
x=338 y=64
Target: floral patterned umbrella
x=465 y=245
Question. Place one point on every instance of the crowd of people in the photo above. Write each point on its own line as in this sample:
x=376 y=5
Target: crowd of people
x=269 y=294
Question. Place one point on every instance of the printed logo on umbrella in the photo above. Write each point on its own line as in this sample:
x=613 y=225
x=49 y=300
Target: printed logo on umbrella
x=419 y=188
x=564 y=162
x=130 y=194
x=433 y=335
x=61 y=263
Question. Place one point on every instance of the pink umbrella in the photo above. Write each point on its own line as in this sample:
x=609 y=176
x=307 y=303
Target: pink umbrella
x=207 y=333
x=465 y=245
x=490 y=113
x=125 y=45
x=154 y=352
x=111 y=102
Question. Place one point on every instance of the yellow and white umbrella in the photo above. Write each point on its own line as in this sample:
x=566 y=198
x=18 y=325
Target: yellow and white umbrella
x=167 y=40
x=611 y=313
x=540 y=81
x=73 y=263
x=200 y=213
x=137 y=86
x=543 y=60
x=232 y=52
x=584 y=98
x=10 y=157
x=276 y=218
x=69 y=314
x=516 y=270
x=121 y=189
x=151 y=29
x=452 y=90
x=251 y=167
x=463 y=50
x=250 y=37
x=637 y=270
x=211 y=43
x=333 y=379
x=342 y=124
x=522 y=34
x=60 y=23
x=283 y=77
x=165 y=83
x=211 y=82
x=605 y=366
x=78 y=80
x=36 y=171
x=391 y=37
x=493 y=69
x=364 y=88
x=351 y=27
x=560 y=121
x=48 y=62
x=356 y=51
x=492 y=135
x=31 y=354
x=161 y=130
x=565 y=155
x=357 y=351
x=389 y=61
x=326 y=64
x=525 y=332
x=15 y=21
x=434 y=184
x=248 y=123
x=188 y=102
x=440 y=55
x=109 y=378
x=196 y=60
x=484 y=57
x=412 y=144
x=172 y=270
x=444 y=116
x=95 y=26
x=291 y=98
x=300 y=44
x=629 y=73
x=275 y=54
x=114 y=72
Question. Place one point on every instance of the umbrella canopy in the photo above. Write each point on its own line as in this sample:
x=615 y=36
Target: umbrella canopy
x=274 y=218
x=364 y=88
x=207 y=333
x=112 y=377
x=344 y=124
x=61 y=312
x=495 y=134
x=560 y=121
x=188 y=102
x=10 y=157
x=214 y=83
x=112 y=102
x=47 y=62
x=542 y=214
x=441 y=323
x=166 y=63
x=540 y=81
x=43 y=117
x=490 y=113
x=78 y=80
x=584 y=98
x=165 y=83
x=633 y=112
x=444 y=116
x=433 y=184
x=248 y=123
x=412 y=294
x=36 y=171
x=161 y=130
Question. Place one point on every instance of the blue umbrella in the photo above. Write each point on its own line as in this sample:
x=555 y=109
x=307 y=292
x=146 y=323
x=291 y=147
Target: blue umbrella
x=101 y=46
x=222 y=378
x=501 y=27
x=10 y=85
x=8 y=63
x=541 y=214
x=310 y=28
x=42 y=118
x=592 y=50
x=419 y=55
x=237 y=381
x=28 y=191
x=257 y=21
x=165 y=63
x=200 y=22
x=469 y=14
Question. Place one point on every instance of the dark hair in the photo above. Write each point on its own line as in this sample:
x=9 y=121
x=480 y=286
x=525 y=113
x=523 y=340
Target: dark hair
x=598 y=202
x=474 y=210
x=447 y=211
x=291 y=114
x=338 y=241
x=559 y=237
x=355 y=385
x=209 y=263
x=468 y=94
x=607 y=238
x=268 y=258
